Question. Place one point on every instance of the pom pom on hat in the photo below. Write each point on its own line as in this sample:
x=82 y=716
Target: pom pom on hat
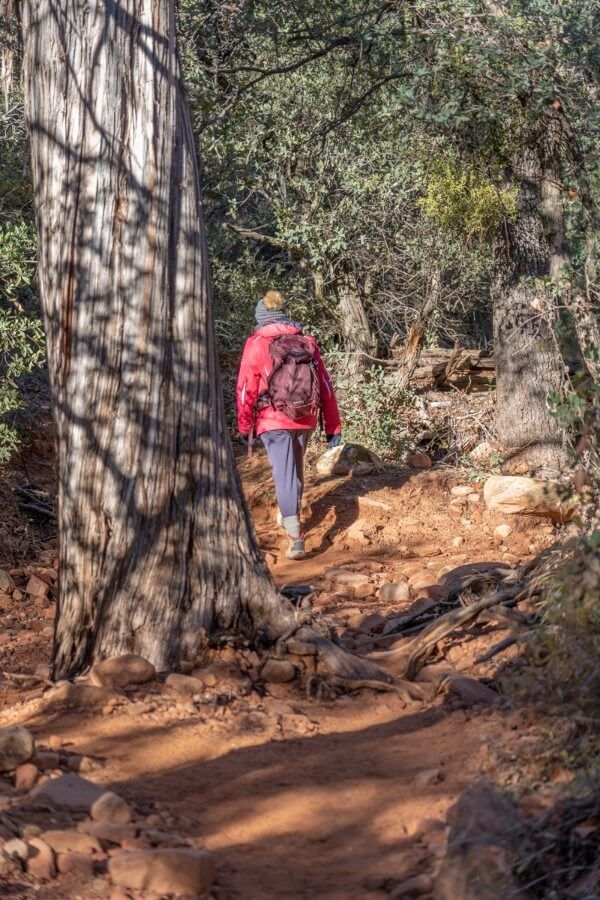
x=273 y=300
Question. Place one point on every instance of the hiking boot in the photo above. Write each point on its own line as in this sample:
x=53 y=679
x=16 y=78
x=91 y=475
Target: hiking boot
x=296 y=549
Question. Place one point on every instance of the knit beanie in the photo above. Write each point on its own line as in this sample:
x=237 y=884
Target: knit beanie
x=270 y=309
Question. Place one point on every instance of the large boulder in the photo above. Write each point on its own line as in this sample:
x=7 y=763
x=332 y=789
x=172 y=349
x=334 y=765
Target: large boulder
x=16 y=747
x=164 y=871
x=111 y=808
x=69 y=792
x=483 y=845
x=121 y=671
x=77 y=695
x=7 y=584
x=348 y=459
x=519 y=494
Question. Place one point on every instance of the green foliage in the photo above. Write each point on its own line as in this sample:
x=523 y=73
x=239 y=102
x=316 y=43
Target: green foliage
x=378 y=140
x=569 y=641
x=374 y=412
x=461 y=200
x=22 y=347
x=21 y=350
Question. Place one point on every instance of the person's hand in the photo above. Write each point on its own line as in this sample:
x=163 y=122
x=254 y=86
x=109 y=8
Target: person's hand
x=333 y=440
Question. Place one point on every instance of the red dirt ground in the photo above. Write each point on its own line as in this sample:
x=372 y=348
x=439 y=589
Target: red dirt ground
x=300 y=798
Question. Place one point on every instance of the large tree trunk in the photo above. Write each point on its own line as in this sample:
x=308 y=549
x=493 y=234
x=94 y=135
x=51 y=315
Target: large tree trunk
x=529 y=363
x=155 y=538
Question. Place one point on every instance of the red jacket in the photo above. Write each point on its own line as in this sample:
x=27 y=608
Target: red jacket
x=255 y=368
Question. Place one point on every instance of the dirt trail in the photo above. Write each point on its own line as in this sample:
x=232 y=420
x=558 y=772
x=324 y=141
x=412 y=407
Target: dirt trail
x=298 y=798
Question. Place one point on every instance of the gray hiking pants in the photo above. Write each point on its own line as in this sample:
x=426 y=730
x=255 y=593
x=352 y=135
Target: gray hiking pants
x=285 y=450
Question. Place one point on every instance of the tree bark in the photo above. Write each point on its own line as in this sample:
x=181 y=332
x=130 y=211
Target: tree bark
x=529 y=363
x=416 y=333
x=156 y=541
x=359 y=341
x=585 y=316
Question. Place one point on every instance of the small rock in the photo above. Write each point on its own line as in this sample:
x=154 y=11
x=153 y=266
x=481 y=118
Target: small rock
x=395 y=593
x=458 y=541
x=111 y=808
x=473 y=498
x=428 y=776
x=461 y=490
x=76 y=864
x=67 y=841
x=419 y=460
x=36 y=588
x=106 y=831
x=346 y=577
x=26 y=776
x=121 y=671
x=484 y=454
x=347 y=459
x=15 y=849
x=54 y=742
x=472 y=691
x=502 y=531
x=69 y=792
x=424 y=580
x=278 y=671
x=164 y=870
x=30 y=831
x=365 y=590
x=413 y=887
x=358 y=532
x=17 y=594
x=16 y=747
x=77 y=696
x=7 y=584
x=186 y=685
x=40 y=860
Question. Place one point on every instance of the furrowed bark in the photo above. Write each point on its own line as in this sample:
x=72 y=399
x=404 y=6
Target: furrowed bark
x=155 y=538
x=529 y=364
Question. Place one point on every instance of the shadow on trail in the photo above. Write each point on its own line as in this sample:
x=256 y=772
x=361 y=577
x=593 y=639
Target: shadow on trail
x=328 y=814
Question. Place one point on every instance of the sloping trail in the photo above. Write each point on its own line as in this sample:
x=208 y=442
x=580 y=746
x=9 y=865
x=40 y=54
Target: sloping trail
x=299 y=798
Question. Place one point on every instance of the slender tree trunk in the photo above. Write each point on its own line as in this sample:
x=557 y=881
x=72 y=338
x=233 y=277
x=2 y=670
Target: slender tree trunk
x=416 y=333
x=356 y=331
x=155 y=538
x=529 y=363
x=8 y=50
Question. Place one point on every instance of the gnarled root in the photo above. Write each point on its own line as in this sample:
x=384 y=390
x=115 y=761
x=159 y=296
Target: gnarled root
x=423 y=645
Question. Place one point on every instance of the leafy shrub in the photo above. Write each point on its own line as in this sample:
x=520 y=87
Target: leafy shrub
x=21 y=335
x=569 y=640
x=374 y=412
x=462 y=201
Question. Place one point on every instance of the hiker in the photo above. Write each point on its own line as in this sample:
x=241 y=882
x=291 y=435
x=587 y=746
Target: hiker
x=282 y=388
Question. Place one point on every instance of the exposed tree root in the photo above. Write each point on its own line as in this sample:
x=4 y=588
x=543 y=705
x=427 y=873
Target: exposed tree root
x=405 y=689
x=497 y=648
x=425 y=643
x=340 y=663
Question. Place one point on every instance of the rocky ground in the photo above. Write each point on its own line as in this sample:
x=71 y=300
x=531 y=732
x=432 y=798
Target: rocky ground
x=245 y=776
